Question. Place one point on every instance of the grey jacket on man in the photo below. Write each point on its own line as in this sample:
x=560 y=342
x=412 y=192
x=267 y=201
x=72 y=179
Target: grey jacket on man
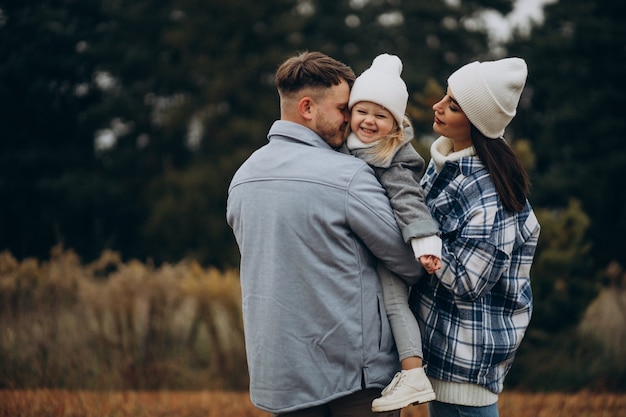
x=311 y=223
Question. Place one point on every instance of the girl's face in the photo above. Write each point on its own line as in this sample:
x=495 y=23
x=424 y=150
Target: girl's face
x=371 y=122
x=451 y=122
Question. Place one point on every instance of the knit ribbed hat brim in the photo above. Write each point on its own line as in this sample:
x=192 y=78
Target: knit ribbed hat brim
x=381 y=84
x=489 y=92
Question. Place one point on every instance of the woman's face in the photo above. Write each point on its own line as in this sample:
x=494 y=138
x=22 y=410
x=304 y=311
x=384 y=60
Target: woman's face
x=451 y=122
x=371 y=122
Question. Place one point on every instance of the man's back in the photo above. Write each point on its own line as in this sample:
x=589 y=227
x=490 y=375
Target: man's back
x=310 y=223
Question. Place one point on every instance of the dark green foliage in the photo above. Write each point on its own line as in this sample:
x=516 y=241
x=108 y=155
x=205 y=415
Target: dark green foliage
x=562 y=278
x=577 y=62
x=123 y=121
x=46 y=158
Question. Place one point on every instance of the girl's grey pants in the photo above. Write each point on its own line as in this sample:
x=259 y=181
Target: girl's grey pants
x=406 y=332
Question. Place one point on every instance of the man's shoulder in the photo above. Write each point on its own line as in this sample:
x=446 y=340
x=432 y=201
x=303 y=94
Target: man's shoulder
x=294 y=160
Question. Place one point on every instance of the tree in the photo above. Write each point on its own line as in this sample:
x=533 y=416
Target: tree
x=577 y=62
x=48 y=170
x=562 y=279
x=125 y=120
x=236 y=103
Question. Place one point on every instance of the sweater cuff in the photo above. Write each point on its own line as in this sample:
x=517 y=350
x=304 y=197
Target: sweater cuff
x=429 y=245
x=463 y=393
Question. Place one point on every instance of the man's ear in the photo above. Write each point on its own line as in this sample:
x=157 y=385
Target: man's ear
x=305 y=107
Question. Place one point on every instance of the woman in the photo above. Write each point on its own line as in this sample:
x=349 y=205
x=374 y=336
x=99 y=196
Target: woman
x=474 y=311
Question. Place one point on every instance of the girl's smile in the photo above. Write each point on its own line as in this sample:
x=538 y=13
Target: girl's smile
x=371 y=122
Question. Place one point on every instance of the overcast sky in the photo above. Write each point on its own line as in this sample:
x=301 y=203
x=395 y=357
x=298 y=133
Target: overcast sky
x=524 y=13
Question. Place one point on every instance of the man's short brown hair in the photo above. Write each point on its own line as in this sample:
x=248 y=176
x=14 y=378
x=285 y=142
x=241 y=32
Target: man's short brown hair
x=311 y=70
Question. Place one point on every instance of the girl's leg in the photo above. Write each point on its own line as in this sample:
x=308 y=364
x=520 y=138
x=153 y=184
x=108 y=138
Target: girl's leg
x=411 y=385
x=406 y=332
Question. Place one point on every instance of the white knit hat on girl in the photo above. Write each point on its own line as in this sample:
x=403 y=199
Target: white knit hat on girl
x=488 y=92
x=381 y=84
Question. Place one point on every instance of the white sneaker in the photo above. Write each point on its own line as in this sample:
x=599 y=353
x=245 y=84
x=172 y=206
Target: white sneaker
x=406 y=388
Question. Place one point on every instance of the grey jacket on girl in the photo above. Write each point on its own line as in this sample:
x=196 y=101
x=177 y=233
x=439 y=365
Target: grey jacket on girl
x=401 y=176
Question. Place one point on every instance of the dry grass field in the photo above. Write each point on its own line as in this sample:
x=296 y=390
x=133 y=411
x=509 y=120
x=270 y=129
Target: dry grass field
x=59 y=403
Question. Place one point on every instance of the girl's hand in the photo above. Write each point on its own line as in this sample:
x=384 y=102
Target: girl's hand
x=430 y=263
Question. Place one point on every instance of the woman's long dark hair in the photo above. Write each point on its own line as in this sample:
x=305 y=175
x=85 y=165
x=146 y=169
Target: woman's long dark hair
x=506 y=170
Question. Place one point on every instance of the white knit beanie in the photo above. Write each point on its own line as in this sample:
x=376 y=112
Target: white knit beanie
x=381 y=84
x=488 y=92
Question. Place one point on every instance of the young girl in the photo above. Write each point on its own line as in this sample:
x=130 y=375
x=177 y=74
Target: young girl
x=477 y=191
x=381 y=135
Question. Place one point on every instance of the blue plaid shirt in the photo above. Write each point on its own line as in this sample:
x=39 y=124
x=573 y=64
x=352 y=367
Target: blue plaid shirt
x=474 y=311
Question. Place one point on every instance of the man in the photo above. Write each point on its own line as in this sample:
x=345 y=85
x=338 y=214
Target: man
x=311 y=224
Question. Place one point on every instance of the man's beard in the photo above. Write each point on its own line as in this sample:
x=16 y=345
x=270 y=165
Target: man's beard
x=334 y=136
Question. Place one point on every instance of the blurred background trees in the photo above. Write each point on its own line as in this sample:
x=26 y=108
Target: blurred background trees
x=122 y=123
x=573 y=115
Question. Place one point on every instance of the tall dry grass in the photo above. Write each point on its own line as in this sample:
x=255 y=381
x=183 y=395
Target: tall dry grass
x=605 y=318
x=237 y=404
x=127 y=325
x=114 y=324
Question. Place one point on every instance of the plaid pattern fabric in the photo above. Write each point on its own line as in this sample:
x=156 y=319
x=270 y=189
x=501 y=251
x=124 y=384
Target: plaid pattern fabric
x=475 y=310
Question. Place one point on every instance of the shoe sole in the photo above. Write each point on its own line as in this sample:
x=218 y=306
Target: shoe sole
x=421 y=399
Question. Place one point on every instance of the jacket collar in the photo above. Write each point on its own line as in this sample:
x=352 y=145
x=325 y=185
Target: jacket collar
x=466 y=159
x=285 y=130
